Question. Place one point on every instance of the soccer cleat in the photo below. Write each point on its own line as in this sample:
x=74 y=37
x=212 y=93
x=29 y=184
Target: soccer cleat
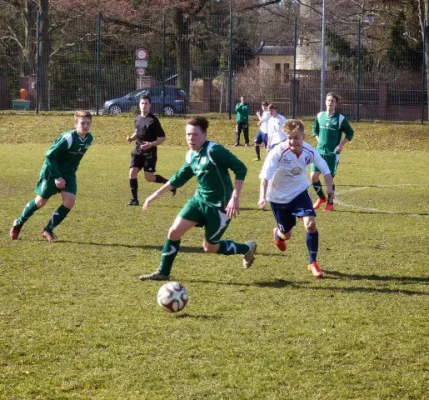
x=249 y=257
x=246 y=145
x=14 y=231
x=49 y=236
x=315 y=270
x=256 y=159
x=281 y=244
x=154 y=276
x=318 y=203
x=329 y=207
x=173 y=192
x=133 y=202
x=236 y=144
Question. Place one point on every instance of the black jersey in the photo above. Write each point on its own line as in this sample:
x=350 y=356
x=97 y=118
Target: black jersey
x=148 y=129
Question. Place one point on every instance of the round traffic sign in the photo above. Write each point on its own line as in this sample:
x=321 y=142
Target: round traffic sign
x=142 y=54
x=140 y=71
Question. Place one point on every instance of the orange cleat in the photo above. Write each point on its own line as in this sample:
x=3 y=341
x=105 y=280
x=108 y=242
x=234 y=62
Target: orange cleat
x=329 y=207
x=318 y=203
x=281 y=244
x=315 y=270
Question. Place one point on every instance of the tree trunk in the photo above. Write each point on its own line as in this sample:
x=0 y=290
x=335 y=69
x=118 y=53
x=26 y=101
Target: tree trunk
x=183 y=58
x=45 y=51
x=29 y=50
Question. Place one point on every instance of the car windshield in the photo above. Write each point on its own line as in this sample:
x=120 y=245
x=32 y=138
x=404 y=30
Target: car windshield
x=137 y=93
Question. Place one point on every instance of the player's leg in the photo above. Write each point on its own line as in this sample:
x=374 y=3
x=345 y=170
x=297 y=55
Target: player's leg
x=189 y=217
x=246 y=133
x=258 y=142
x=317 y=185
x=238 y=127
x=45 y=188
x=136 y=165
x=150 y=169
x=68 y=197
x=216 y=223
x=333 y=162
x=285 y=222
x=312 y=242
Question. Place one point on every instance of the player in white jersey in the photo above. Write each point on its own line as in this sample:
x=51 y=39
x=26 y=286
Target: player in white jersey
x=284 y=183
x=262 y=135
x=276 y=133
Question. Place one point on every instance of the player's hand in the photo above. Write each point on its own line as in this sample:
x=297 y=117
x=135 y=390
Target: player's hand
x=262 y=203
x=60 y=183
x=233 y=207
x=339 y=148
x=129 y=139
x=146 y=203
x=146 y=146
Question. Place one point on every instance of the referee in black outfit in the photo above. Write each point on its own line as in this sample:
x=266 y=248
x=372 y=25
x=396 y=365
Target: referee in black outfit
x=148 y=135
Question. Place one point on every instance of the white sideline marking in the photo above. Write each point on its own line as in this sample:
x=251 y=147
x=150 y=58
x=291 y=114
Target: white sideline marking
x=339 y=202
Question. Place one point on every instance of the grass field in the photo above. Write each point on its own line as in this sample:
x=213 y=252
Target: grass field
x=76 y=323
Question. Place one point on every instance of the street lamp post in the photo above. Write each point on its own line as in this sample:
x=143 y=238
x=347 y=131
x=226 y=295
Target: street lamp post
x=323 y=66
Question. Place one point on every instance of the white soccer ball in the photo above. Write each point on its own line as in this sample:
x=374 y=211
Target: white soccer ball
x=172 y=297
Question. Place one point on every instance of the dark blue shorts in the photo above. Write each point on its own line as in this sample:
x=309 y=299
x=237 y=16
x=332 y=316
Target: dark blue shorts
x=286 y=214
x=261 y=137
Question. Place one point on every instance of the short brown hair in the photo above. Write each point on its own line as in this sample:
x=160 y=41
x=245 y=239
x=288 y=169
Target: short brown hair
x=334 y=95
x=271 y=106
x=82 y=114
x=265 y=103
x=294 y=125
x=202 y=122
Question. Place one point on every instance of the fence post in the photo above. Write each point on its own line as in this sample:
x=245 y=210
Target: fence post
x=423 y=72
x=358 y=72
x=98 y=74
x=38 y=63
x=294 y=64
x=230 y=65
x=163 y=63
x=323 y=66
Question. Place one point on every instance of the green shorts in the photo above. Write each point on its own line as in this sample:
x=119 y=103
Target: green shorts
x=46 y=188
x=332 y=160
x=213 y=219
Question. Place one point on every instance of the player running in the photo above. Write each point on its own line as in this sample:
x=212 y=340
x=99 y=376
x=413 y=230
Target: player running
x=214 y=203
x=328 y=128
x=58 y=175
x=284 y=184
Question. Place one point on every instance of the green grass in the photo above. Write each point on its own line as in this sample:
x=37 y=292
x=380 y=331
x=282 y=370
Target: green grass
x=76 y=323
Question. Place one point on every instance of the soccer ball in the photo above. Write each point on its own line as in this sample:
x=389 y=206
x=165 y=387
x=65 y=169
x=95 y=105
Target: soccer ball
x=172 y=297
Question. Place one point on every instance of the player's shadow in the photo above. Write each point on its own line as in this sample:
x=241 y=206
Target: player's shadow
x=375 y=212
x=373 y=277
x=199 y=316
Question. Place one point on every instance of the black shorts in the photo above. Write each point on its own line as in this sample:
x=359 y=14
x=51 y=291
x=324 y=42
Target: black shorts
x=145 y=161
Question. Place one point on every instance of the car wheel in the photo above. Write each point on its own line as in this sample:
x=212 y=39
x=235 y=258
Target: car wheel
x=115 y=109
x=168 y=110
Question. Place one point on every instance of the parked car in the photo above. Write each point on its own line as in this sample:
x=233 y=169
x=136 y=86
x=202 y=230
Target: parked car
x=175 y=101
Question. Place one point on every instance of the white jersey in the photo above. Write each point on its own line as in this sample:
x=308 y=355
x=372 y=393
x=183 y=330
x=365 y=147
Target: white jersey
x=286 y=172
x=275 y=129
x=264 y=119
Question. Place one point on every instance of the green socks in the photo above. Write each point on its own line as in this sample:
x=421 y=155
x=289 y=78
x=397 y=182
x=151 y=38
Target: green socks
x=169 y=253
x=57 y=217
x=228 y=248
x=319 y=191
x=27 y=212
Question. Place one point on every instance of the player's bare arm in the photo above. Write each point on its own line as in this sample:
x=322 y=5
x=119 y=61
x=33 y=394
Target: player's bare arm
x=132 y=137
x=329 y=181
x=164 y=189
x=149 y=145
x=263 y=194
x=340 y=147
x=233 y=206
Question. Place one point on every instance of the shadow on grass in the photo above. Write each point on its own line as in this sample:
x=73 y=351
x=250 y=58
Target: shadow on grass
x=199 y=316
x=375 y=212
x=281 y=283
x=373 y=277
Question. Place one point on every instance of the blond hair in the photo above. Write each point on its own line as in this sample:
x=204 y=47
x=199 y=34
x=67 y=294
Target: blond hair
x=82 y=114
x=294 y=125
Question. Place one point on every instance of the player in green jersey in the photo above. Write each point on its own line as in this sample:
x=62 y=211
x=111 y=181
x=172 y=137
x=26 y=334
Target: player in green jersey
x=328 y=128
x=58 y=175
x=214 y=203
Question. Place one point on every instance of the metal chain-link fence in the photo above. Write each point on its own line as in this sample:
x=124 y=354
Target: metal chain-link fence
x=203 y=63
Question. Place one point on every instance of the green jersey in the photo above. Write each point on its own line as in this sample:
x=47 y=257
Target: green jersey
x=210 y=167
x=63 y=157
x=242 y=111
x=329 y=129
